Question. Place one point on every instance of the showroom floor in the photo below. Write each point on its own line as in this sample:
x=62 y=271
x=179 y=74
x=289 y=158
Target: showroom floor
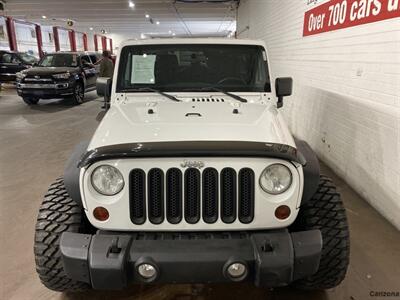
x=35 y=143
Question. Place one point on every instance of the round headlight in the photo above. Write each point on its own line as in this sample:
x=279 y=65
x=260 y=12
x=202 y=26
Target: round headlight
x=107 y=180
x=276 y=179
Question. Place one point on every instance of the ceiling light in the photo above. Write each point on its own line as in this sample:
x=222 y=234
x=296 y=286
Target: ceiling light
x=91 y=28
x=173 y=34
x=44 y=17
x=131 y=4
x=170 y=32
x=147 y=16
x=158 y=22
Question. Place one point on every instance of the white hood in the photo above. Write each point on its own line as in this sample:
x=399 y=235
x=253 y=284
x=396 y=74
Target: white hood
x=165 y=120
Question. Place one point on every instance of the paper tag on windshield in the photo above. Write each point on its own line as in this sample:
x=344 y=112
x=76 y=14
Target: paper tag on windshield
x=143 y=69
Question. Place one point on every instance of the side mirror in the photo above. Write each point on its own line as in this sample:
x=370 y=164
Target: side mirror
x=283 y=88
x=103 y=88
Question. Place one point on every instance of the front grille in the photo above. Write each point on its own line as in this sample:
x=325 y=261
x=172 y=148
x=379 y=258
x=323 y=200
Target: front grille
x=38 y=79
x=191 y=195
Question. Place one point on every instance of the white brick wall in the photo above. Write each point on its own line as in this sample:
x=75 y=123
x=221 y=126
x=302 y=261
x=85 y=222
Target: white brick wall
x=346 y=100
x=26 y=38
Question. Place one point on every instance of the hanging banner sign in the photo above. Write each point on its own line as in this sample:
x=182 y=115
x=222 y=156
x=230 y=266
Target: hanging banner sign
x=338 y=14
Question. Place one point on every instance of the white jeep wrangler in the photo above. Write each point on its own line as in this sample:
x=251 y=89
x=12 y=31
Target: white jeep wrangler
x=192 y=177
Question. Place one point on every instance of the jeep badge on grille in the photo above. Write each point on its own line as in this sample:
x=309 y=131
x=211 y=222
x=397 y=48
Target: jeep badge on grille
x=192 y=164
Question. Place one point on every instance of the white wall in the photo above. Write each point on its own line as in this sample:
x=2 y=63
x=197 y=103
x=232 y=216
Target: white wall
x=26 y=38
x=118 y=39
x=346 y=100
x=90 y=38
x=48 y=39
x=79 y=41
x=63 y=37
x=4 y=44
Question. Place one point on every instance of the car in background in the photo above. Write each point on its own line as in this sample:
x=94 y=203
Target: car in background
x=13 y=62
x=59 y=75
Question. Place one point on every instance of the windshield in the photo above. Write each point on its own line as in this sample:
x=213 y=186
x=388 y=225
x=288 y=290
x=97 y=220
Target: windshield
x=180 y=67
x=26 y=58
x=59 y=60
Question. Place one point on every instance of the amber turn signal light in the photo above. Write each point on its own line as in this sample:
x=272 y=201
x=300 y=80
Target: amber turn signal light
x=100 y=213
x=282 y=212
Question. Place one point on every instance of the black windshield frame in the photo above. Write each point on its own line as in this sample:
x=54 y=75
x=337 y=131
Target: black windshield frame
x=257 y=74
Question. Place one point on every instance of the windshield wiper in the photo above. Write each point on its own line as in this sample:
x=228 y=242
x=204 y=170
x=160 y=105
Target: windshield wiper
x=149 y=89
x=213 y=88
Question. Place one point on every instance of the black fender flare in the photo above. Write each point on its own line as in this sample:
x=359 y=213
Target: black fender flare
x=311 y=170
x=72 y=172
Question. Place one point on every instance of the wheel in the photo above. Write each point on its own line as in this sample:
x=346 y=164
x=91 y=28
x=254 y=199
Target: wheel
x=325 y=211
x=30 y=100
x=57 y=214
x=78 y=94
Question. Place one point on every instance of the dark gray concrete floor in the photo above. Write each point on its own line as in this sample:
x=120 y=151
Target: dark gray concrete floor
x=34 y=145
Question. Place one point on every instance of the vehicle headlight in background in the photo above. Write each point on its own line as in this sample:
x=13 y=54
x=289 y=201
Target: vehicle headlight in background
x=20 y=75
x=276 y=179
x=62 y=76
x=107 y=180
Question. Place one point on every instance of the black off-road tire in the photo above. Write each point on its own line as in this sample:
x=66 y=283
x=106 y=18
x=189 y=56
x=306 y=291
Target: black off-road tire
x=57 y=214
x=325 y=211
x=30 y=100
x=78 y=93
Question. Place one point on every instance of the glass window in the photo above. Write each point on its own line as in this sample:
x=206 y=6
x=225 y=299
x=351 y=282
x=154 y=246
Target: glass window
x=93 y=58
x=9 y=58
x=86 y=59
x=181 y=67
x=59 y=60
x=26 y=58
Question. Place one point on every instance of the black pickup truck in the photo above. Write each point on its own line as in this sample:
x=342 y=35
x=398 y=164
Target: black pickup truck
x=59 y=75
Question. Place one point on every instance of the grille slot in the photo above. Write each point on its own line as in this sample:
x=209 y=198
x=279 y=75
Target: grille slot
x=228 y=195
x=192 y=195
x=210 y=195
x=174 y=195
x=246 y=195
x=137 y=196
x=156 y=196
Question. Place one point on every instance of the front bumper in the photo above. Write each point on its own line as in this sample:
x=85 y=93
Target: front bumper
x=45 y=91
x=110 y=260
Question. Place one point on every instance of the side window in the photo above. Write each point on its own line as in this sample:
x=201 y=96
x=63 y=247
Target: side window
x=93 y=58
x=6 y=58
x=15 y=59
x=85 y=59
